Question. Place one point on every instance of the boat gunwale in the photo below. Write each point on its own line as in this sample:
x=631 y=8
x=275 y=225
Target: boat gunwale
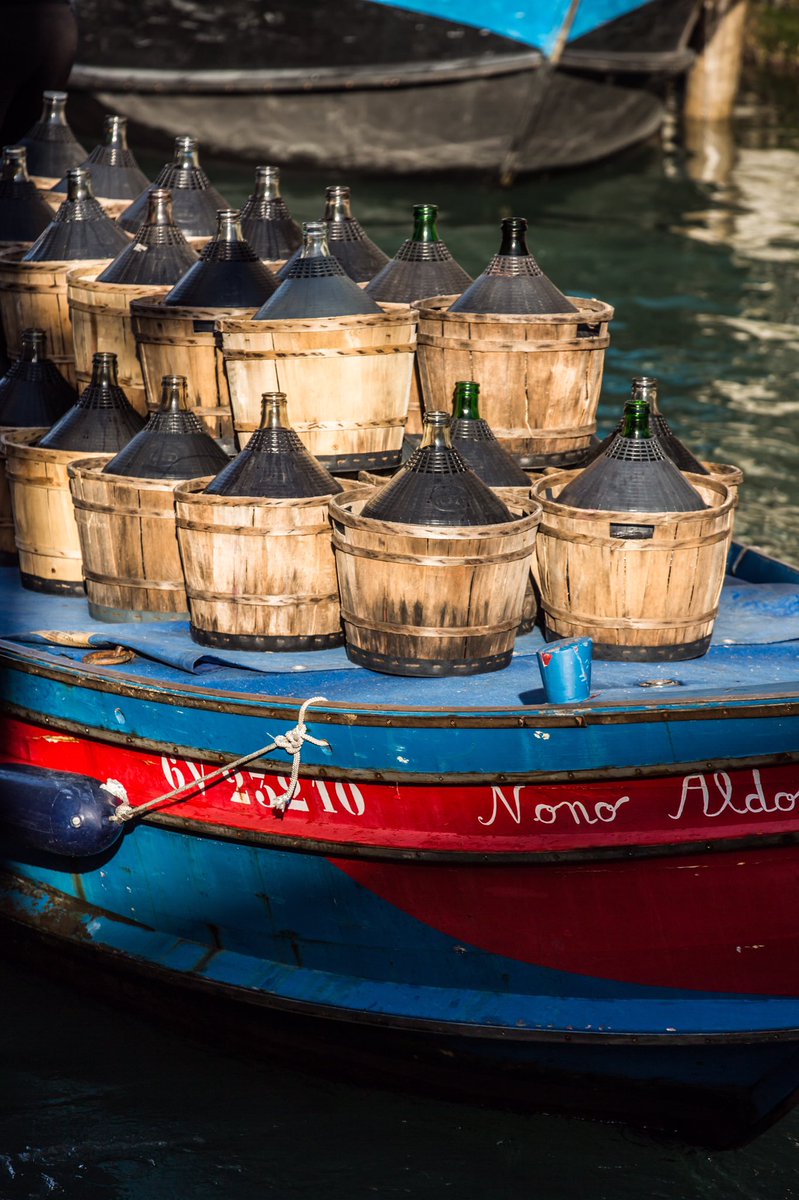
x=410 y=73
x=115 y=737
x=708 y=705
x=152 y=81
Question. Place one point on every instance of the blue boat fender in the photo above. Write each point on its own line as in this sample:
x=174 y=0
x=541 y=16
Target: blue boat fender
x=57 y=811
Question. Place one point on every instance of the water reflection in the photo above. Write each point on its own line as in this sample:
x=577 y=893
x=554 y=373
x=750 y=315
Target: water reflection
x=97 y=1106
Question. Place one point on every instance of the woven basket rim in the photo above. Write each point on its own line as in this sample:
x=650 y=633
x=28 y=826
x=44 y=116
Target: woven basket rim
x=597 y=310
x=340 y=510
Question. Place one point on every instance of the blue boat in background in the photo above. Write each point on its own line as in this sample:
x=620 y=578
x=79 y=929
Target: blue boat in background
x=423 y=86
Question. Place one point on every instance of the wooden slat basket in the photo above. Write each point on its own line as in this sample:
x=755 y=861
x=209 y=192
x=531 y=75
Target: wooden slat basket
x=180 y=341
x=540 y=376
x=348 y=381
x=260 y=573
x=45 y=530
x=101 y=321
x=519 y=502
x=8 y=545
x=726 y=473
x=128 y=540
x=45 y=184
x=34 y=296
x=430 y=600
x=640 y=599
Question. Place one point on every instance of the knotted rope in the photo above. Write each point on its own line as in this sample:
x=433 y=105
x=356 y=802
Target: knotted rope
x=291 y=741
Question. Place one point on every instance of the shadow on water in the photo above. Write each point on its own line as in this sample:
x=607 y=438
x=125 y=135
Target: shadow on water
x=99 y=1102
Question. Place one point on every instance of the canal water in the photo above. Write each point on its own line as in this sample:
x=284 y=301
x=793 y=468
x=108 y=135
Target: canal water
x=697 y=248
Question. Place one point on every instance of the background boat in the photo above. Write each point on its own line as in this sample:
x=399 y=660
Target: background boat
x=451 y=85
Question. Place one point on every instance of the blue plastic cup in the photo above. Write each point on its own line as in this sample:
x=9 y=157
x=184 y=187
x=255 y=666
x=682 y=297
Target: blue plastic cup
x=566 y=670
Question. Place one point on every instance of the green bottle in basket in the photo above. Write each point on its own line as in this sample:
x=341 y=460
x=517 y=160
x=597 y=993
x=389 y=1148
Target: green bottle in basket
x=633 y=474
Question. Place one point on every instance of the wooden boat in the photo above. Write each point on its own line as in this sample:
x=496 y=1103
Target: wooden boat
x=476 y=84
x=589 y=907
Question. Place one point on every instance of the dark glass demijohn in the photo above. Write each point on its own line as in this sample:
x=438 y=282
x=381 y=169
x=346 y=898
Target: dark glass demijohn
x=24 y=212
x=173 y=443
x=435 y=486
x=229 y=273
x=266 y=221
x=422 y=267
x=513 y=282
x=115 y=173
x=679 y=453
x=51 y=145
x=474 y=440
x=348 y=242
x=315 y=285
x=103 y=419
x=274 y=463
x=633 y=475
x=159 y=253
x=80 y=229
x=33 y=391
x=645 y=387
x=196 y=202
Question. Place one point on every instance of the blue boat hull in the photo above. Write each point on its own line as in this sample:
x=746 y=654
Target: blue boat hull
x=280 y=944
x=587 y=907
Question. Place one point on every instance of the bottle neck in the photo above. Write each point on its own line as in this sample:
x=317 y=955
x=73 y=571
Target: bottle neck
x=104 y=370
x=636 y=420
x=436 y=431
x=228 y=226
x=32 y=345
x=186 y=156
x=79 y=184
x=514 y=239
x=466 y=406
x=274 y=411
x=54 y=108
x=338 y=205
x=15 y=164
x=116 y=133
x=645 y=387
x=159 y=208
x=315 y=243
x=173 y=394
x=424 y=223
x=267 y=183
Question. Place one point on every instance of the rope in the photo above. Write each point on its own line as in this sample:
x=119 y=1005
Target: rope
x=291 y=741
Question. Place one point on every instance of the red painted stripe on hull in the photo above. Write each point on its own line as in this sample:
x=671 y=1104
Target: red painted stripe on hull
x=718 y=922
x=551 y=818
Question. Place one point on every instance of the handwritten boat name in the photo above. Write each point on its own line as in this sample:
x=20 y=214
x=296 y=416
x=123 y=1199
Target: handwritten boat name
x=707 y=796
x=715 y=795
x=704 y=796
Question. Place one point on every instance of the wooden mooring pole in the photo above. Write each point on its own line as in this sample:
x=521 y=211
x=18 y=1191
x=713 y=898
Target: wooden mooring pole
x=712 y=84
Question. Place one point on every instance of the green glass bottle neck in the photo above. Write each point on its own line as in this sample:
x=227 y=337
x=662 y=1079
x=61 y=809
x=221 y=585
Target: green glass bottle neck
x=424 y=223
x=466 y=405
x=636 y=420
